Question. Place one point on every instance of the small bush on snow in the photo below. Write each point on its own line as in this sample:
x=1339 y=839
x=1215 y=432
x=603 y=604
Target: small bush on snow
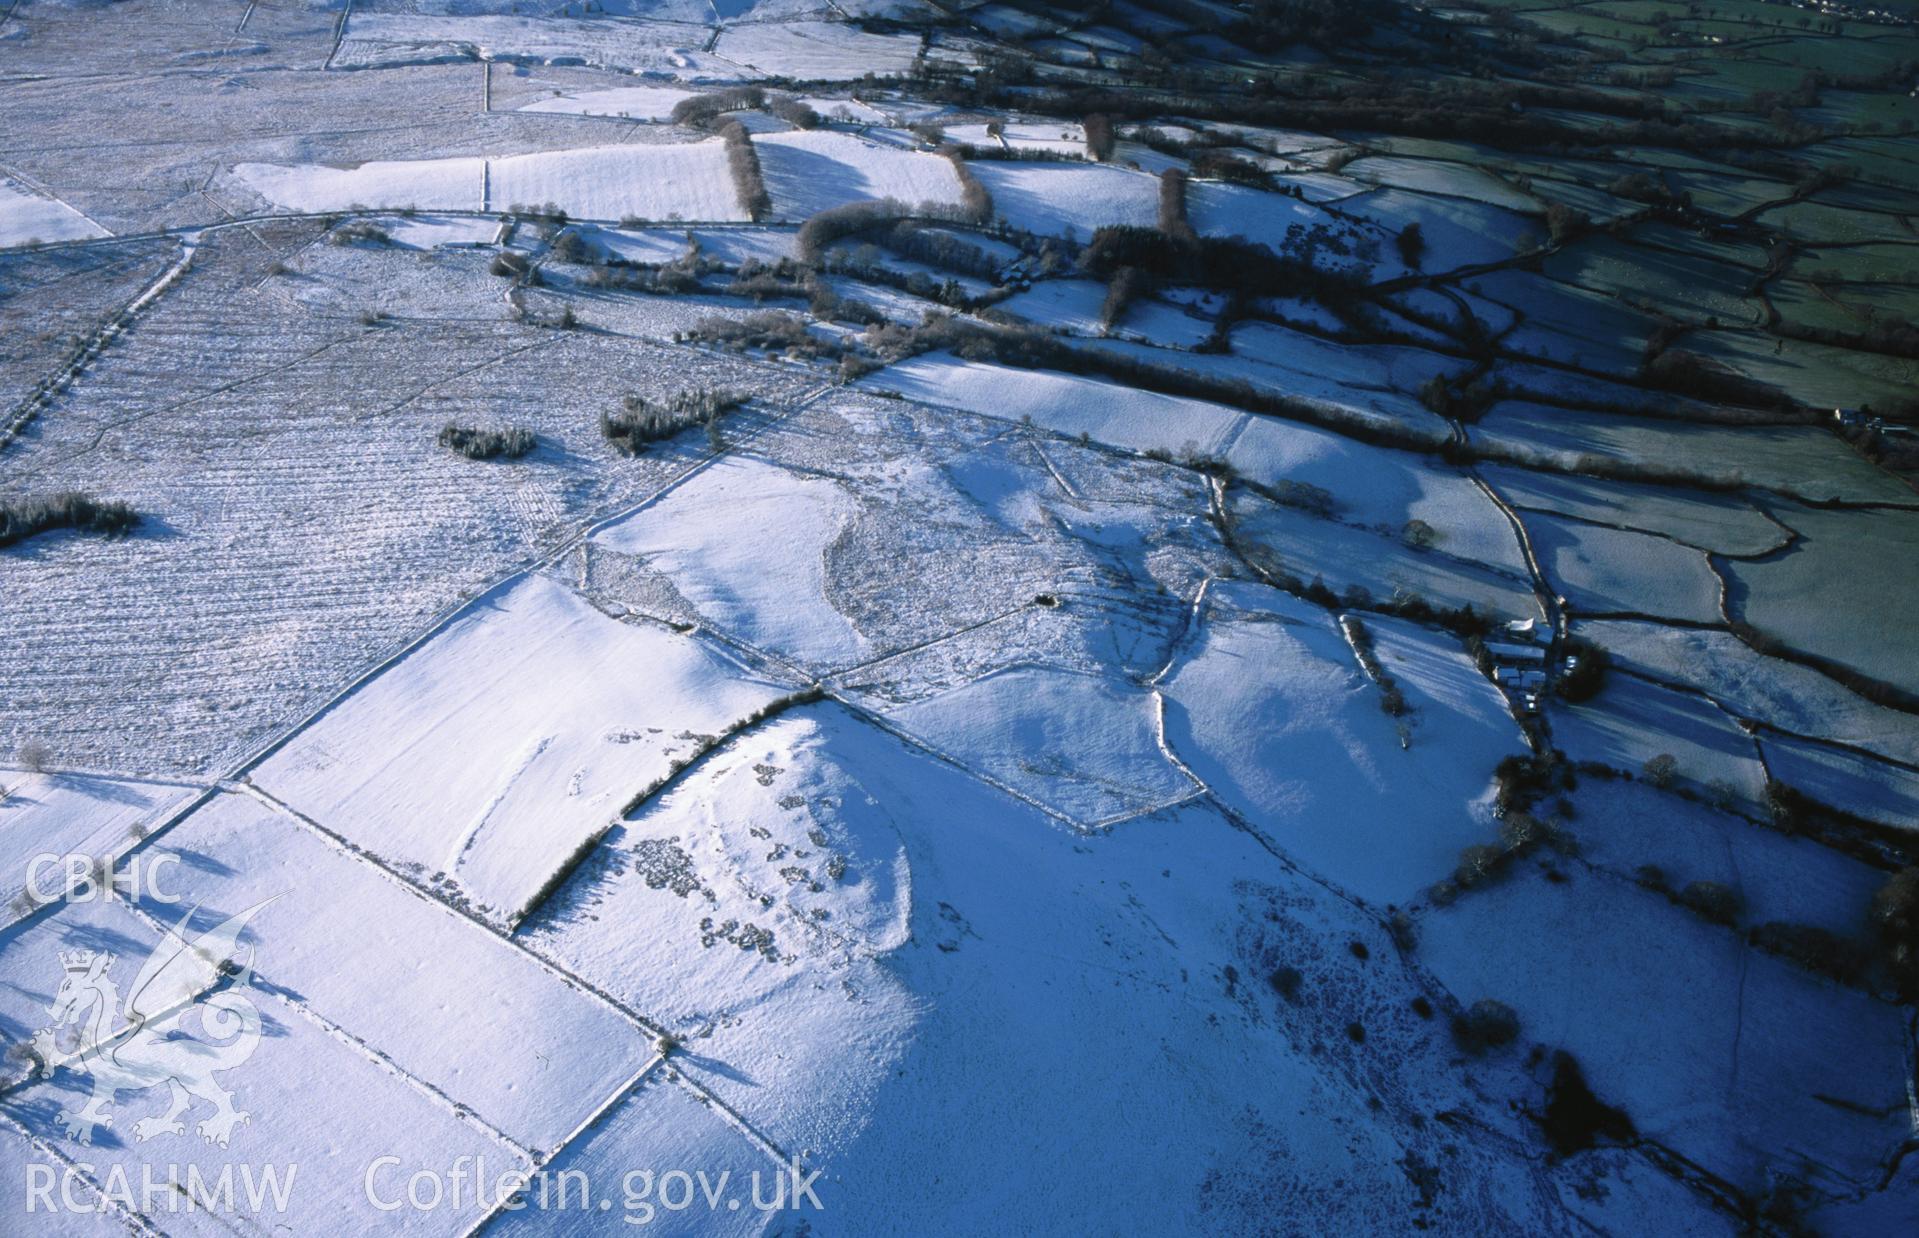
x=1487 y=1024
x=82 y=513
x=478 y=444
x=641 y=421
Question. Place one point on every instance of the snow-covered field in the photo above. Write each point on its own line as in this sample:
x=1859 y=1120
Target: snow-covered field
x=654 y=182
x=1601 y=570
x=558 y=769
x=27 y=218
x=808 y=172
x=816 y=51
x=1070 y=199
x=630 y=102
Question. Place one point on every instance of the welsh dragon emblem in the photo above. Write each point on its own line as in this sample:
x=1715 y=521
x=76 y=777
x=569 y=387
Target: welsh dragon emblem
x=147 y=1039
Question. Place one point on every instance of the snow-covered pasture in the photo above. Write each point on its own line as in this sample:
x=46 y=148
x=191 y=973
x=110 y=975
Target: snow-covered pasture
x=1633 y=721
x=817 y=51
x=745 y=544
x=809 y=171
x=1407 y=803
x=1785 y=695
x=1069 y=199
x=1345 y=556
x=484 y=759
x=1722 y=1053
x=652 y=181
x=298 y=518
x=1722 y=524
x=27 y=218
x=628 y=102
x=81 y=818
x=1602 y=570
x=1844 y=591
x=1801 y=460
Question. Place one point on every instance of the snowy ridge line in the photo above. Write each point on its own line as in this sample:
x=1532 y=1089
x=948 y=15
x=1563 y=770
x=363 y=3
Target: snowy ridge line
x=135 y=1222
x=93 y=345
